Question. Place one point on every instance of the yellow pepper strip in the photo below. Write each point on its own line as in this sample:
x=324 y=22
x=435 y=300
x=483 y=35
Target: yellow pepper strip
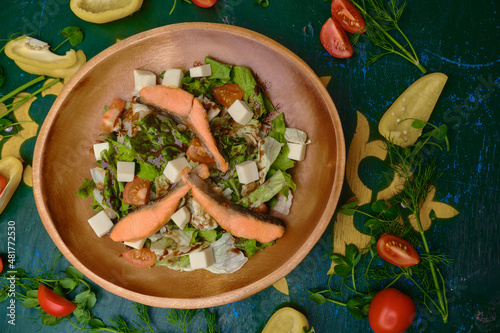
x=36 y=53
x=416 y=102
x=12 y=170
x=103 y=11
x=63 y=73
x=286 y=320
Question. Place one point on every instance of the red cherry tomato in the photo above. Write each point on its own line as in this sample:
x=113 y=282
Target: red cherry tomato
x=228 y=93
x=397 y=251
x=136 y=192
x=197 y=153
x=391 y=311
x=1 y=265
x=140 y=258
x=3 y=183
x=54 y=304
x=110 y=117
x=348 y=16
x=204 y=3
x=334 y=39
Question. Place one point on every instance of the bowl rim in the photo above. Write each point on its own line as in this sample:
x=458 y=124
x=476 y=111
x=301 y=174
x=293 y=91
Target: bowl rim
x=229 y=296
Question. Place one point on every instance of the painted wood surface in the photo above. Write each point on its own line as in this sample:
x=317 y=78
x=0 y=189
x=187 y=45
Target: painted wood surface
x=458 y=38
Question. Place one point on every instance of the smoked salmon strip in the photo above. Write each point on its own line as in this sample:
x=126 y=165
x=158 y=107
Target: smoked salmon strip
x=148 y=219
x=186 y=109
x=237 y=220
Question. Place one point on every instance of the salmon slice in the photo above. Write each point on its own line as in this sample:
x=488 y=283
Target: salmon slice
x=150 y=218
x=186 y=109
x=237 y=220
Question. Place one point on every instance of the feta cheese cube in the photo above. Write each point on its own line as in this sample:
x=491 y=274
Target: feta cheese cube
x=200 y=71
x=202 y=259
x=297 y=151
x=181 y=217
x=125 y=171
x=138 y=244
x=295 y=135
x=247 y=172
x=98 y=148
x=144 y=78
x=240 y=112
x=173 y=77
x=100 y=223
x=174 y=168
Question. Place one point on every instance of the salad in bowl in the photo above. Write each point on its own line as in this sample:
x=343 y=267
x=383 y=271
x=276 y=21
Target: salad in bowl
x=192 y=170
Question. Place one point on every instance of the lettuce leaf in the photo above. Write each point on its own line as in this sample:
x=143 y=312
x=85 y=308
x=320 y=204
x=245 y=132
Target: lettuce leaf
x=86 y=189
x=250 y=246
x=220 y=71
x=243 y=77
x=279 y=182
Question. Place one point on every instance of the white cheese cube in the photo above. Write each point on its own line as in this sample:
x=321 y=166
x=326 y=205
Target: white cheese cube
x=247 y=172
x=174 y=168
x=181 y=217
x=125 y=171
x=144 y=78
x=138 y=244
x=200 y=71
x=297 y=151
x=98 y=148
x=36 y=44
x=240 y=112
x=295 y=135
x=202 y=259
x=100 y=223
x=173 y=77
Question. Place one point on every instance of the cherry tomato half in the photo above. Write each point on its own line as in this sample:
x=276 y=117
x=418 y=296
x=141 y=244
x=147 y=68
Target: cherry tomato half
x=228 y=93
x=391 y=311
x=348 y=16
x=136 y=192
x=204 y=3
x=197 y=153
x=140 y=258
x=54 y=304
x=110 y=117
x=334 y=39
x=397 y=251
x=3 y=183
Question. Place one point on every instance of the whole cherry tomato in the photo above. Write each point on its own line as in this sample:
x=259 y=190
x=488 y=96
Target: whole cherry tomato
x=391 y=311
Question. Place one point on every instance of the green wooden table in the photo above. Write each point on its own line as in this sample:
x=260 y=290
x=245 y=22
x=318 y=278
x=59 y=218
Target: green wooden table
x=458 y=38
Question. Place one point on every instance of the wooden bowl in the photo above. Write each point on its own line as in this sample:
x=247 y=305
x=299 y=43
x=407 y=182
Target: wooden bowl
x=61 y=161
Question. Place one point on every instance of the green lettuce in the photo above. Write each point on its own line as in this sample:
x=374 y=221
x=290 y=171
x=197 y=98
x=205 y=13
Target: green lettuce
x=86 y=189
x=279 y=182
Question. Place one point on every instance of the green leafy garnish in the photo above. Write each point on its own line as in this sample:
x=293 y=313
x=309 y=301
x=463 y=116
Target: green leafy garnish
x=381 y=18
x=71 y=282
x=73 y=34
x=263 y=3
x=362 y=274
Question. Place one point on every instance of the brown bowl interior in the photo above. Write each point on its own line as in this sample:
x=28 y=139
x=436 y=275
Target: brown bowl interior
x=62 y=161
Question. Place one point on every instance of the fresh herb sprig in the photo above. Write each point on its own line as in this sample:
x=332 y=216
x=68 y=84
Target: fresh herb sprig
x=360 y=275
x=382 y=17
x=73 y=34
x=73 y=283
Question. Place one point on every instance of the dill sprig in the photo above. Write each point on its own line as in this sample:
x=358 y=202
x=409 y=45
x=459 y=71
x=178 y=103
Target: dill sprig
x=361 y=275
x=381 y=18
x=181 y=318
